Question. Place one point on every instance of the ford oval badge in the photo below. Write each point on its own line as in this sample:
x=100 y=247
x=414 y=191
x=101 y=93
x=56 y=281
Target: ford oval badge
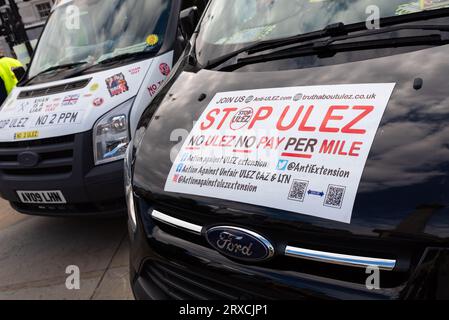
x=240 y=244
x=28 y=159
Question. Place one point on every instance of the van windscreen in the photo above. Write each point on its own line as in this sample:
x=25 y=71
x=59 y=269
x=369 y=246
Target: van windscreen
x=232 y=24
x=86 y=32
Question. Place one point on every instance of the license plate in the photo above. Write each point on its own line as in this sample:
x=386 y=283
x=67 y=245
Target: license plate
x=41 y=197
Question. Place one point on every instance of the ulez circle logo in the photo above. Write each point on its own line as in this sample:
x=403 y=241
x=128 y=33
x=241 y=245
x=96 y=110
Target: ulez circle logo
x=249 y=99
x=242 y=118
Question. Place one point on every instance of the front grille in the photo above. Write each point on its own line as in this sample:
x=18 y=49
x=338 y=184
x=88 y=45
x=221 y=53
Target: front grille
x=348 y=275
x=53 y=89
x=55 y=157
x=181 y=284
x=36 y=143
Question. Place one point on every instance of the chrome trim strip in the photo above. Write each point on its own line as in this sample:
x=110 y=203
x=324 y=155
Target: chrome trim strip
x=342 y=259
x=295 y=252
x=176 y=222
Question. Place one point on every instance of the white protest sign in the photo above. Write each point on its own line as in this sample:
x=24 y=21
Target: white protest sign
x=298 y=149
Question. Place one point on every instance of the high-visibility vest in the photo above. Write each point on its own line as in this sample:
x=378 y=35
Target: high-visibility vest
x=7 y=65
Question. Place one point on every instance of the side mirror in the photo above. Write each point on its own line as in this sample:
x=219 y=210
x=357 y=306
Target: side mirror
x=189 y=18
x=19 y=72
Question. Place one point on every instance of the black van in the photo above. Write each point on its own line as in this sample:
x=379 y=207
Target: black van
x=65 y=128
x=298 y=150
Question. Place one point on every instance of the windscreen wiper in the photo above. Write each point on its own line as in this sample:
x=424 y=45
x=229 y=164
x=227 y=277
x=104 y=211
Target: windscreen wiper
x=58 y=67
x=323 y=44
x=367 y=33
x=327 y=49
x=329 y=31
x=343 y=29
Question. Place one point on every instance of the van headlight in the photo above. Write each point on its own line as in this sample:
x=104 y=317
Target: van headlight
x=111 y=134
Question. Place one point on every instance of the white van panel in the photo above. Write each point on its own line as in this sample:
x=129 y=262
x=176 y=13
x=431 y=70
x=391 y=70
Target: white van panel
x=77 y=111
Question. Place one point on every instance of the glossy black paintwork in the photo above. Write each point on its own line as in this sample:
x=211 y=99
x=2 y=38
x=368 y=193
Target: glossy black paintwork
x=401 y=208
x=288 y=279
x=409 y=161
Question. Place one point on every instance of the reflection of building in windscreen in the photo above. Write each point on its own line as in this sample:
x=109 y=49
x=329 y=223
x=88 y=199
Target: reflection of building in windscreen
x=33 y=14
x=256 y=20
x=420 y=5
x=107 y=29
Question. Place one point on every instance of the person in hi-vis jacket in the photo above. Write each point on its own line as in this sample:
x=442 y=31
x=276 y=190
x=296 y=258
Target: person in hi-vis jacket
x=8 y=79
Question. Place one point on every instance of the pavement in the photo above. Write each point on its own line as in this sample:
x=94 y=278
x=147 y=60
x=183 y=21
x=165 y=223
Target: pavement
x=35 y=252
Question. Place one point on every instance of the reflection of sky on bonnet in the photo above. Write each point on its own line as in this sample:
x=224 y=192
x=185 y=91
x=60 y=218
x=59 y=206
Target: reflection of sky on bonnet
x=400 y=138
x=410 y=151
x=412 y=141
x=169 y=118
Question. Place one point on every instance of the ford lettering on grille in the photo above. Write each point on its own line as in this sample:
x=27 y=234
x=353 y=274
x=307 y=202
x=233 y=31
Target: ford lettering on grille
x=240 y=244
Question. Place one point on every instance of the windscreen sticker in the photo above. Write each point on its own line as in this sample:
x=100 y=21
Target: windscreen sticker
x=153 y=89
x=164 y=68
x=94 y=87
x=8 y=105
x=76 y=109
x=298 y=149
x=26 y=135
x=70 y=100
x=421 y=5
x=433 y=4
x=59 y=118
x=135 y=70
x=117 y=84
x=52 y=106
x=14 y=123
x=98 y=102
x=152 y=40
